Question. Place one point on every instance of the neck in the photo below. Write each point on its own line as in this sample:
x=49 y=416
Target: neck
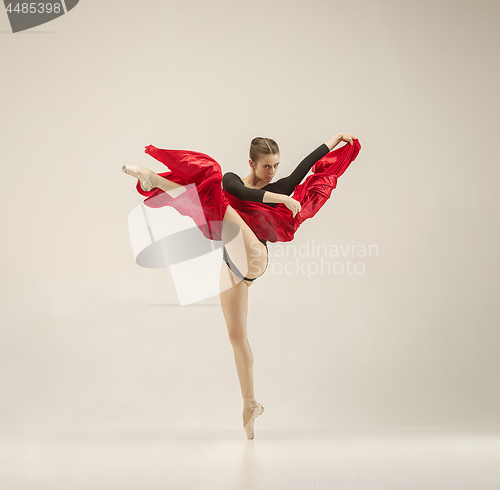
x=253 y=180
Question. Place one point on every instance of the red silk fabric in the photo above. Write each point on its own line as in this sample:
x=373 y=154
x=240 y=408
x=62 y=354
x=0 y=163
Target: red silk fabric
x=274 y=224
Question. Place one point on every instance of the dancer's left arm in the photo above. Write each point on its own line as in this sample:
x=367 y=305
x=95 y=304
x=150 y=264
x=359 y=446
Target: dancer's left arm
x=286 y=185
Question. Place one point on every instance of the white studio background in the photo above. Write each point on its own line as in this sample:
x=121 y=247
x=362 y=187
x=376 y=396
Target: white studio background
x=90 y=340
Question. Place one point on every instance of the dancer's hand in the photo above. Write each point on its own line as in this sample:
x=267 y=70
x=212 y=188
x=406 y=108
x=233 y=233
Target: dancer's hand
x=293 y=205
x=347 y=137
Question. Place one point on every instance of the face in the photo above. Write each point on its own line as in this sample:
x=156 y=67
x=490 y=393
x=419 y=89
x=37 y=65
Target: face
x=266 y=167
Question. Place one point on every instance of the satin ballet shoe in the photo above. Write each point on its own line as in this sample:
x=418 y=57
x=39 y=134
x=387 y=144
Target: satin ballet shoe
x=136 y=172
x=248 y=427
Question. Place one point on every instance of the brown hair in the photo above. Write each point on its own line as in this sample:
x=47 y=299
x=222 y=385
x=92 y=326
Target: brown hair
x=262 y=146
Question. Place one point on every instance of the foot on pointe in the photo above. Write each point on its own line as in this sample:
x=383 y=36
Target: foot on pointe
x=251 y=412
x=144 y=175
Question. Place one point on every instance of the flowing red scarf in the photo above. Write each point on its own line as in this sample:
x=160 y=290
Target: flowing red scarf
x=206 y=202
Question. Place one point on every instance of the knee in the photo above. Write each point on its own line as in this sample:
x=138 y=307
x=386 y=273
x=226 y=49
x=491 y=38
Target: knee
x=237 y=338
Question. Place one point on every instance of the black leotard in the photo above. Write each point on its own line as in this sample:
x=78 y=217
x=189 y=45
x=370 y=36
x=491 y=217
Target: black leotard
x=233 y=184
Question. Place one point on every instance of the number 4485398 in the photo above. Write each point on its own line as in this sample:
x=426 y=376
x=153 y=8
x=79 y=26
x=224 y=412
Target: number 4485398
x=35 y=8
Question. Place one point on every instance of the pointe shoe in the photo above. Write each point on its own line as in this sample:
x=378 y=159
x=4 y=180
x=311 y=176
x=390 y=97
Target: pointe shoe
x=136 y=172
x=248 y=427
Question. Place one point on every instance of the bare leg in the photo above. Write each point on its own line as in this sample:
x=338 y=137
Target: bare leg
x=234 y=302
x=250 y=259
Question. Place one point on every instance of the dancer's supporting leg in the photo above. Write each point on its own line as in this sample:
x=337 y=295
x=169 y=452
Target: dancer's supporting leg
x=234 y=302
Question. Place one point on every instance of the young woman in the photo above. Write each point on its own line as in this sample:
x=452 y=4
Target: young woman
x=262 y=210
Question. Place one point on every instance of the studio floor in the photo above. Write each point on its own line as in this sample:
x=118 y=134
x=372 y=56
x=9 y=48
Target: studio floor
x=275 y=459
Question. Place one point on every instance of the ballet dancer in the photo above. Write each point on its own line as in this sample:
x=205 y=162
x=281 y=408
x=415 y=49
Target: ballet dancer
x=262 y=209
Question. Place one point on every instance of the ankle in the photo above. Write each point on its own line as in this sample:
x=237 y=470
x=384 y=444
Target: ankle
x=249 y=401
x=152 y=176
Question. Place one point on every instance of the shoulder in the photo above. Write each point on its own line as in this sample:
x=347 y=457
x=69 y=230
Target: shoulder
x=231 y=178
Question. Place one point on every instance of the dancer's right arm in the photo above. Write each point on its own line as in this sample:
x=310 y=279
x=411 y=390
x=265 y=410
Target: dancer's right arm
x=234 y=185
